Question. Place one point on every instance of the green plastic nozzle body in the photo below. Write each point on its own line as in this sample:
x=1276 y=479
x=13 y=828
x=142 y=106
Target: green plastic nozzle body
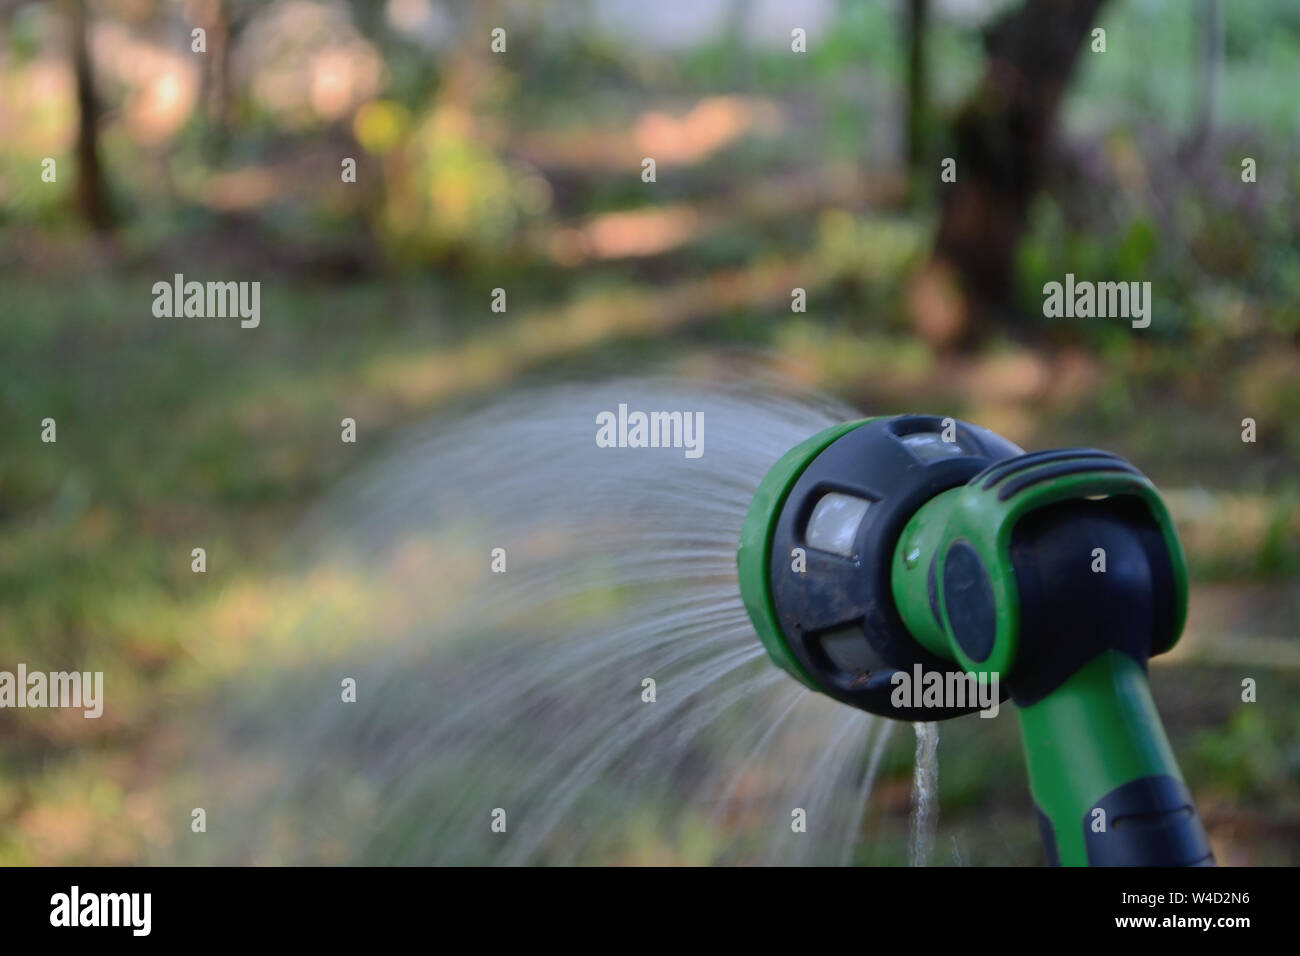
x=1060 y=578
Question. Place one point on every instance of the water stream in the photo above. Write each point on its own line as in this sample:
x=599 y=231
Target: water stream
x=925 y=789
x=591 y=692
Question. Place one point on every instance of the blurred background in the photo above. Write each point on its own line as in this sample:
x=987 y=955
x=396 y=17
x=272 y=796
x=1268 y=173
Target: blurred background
x=522 y=170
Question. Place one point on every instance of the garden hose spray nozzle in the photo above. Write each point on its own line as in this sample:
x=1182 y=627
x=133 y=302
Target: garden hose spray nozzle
x=883 y=552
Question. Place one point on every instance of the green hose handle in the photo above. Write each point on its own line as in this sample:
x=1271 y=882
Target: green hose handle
x=1007 y=575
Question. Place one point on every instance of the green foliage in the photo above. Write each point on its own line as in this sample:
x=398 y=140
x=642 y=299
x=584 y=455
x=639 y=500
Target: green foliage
x=1251 y=757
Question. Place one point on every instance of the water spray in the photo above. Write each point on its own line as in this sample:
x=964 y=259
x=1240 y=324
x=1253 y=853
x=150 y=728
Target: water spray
x=882 y=550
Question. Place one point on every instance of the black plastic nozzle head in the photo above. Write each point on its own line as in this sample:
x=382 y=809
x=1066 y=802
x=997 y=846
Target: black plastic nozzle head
x=832 y=545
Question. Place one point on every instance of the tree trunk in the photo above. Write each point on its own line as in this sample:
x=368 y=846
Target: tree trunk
x=91 y=195
x=1209 y=63
x=917 y=95
x=1001 y=137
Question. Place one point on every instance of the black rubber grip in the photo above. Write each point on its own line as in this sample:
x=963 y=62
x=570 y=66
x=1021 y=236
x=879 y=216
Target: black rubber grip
x=1149 y=822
